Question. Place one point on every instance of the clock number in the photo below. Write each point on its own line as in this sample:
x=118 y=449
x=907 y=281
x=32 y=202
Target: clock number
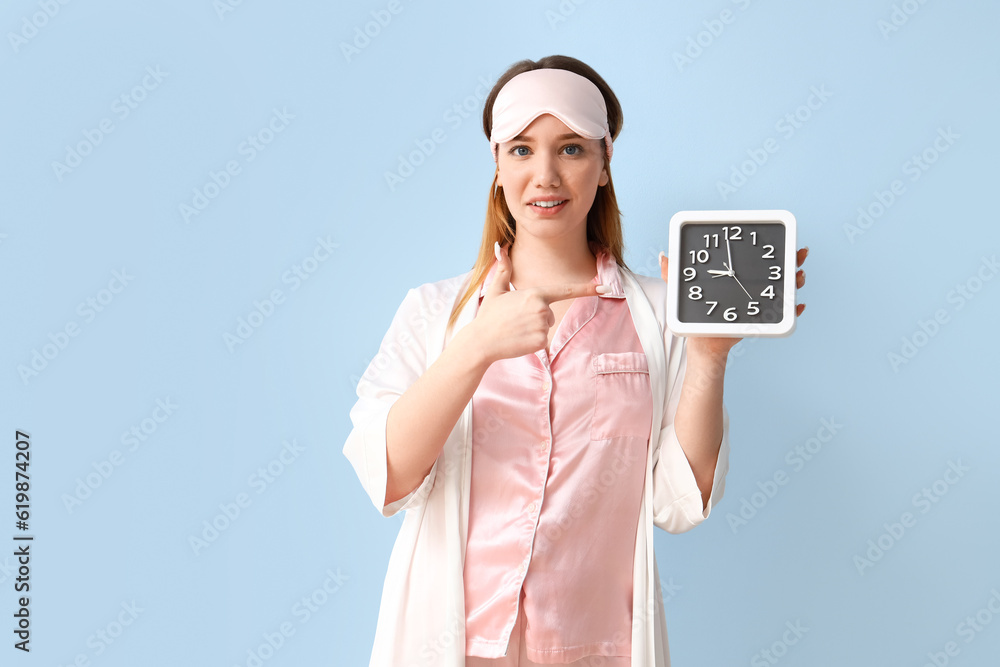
x=699 y=257
x=768 y=292
x=775 y=273
x=713 y=236
x=711 y=307
x=753 y=237
x=730 y=314
x=752 y=309
x=737 y=236
x=768 y=252
x=694 y=292
x=689 y=273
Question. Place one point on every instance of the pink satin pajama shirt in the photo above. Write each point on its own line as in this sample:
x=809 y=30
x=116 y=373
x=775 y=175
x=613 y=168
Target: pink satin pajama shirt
x=558 y=462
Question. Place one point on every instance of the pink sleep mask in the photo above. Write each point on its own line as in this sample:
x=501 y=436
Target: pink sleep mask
x=571 y=98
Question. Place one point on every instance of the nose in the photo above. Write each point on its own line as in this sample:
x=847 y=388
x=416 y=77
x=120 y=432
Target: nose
x=546 y=171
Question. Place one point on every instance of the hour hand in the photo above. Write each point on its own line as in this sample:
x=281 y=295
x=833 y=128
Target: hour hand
x=716 y=273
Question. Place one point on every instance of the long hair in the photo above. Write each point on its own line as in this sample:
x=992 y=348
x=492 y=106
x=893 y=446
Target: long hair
x=604 y=225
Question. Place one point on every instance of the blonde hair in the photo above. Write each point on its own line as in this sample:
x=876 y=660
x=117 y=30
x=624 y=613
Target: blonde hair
x=604 y=226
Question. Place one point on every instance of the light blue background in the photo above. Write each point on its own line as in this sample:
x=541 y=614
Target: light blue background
x=323 y=177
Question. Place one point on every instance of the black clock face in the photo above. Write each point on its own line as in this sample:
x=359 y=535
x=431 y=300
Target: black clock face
x=732 y=273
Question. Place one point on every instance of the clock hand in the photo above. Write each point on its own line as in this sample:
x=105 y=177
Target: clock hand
x=730 y=251
x=731 y=271
x=741 y=286
x=716 y=273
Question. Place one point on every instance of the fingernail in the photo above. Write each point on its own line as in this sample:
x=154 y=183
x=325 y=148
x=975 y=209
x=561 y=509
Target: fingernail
x=496 y=249
x=603 y=289
x=662 y=257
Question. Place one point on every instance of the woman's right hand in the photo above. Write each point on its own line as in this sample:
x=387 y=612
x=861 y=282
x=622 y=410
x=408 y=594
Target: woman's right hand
x=508 y=324
x=512 y=324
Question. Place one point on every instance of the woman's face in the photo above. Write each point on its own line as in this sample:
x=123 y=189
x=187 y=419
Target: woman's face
x=550 y=164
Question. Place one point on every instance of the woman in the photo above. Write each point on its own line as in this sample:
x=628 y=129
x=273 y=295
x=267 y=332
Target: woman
x=536 y=420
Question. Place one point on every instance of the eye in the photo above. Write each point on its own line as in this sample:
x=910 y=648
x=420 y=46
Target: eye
x=517 y=150
x=574 y=149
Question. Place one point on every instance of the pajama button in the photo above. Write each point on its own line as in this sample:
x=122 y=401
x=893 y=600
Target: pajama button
x=531 y=507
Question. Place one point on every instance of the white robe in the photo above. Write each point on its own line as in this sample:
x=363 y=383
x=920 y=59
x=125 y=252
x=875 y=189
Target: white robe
x=421 y=620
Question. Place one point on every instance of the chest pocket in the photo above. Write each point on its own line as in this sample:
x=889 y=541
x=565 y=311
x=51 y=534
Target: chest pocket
x=623 y=400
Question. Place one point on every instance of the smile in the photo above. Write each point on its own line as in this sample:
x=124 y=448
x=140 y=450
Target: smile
x=548 y=204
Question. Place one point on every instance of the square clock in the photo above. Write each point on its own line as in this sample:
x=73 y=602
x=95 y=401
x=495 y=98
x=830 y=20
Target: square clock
x=731 y=274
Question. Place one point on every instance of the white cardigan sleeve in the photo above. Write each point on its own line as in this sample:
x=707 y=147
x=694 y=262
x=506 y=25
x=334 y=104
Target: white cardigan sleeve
x=401 y=359
x=677 y=501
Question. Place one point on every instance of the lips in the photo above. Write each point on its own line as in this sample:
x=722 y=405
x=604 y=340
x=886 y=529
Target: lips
x=548 y=203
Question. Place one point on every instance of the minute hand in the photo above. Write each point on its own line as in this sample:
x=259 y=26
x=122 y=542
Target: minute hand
x=741 y=286
x=732 y=271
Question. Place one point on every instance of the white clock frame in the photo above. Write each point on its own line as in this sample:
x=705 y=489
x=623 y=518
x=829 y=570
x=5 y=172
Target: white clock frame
x=783 y=327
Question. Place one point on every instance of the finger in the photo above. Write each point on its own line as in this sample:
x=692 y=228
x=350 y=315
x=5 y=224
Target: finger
x=799 y=308
x=501 y=278
x=800 y=279
x=663 y=266
x=800 y=256
x=560 y=292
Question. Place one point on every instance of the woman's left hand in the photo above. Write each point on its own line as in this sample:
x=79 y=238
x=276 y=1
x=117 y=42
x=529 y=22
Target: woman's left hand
x=719 y=347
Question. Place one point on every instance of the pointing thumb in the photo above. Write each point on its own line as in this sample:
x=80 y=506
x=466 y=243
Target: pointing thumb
x=501 y=278
x=664 y=266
